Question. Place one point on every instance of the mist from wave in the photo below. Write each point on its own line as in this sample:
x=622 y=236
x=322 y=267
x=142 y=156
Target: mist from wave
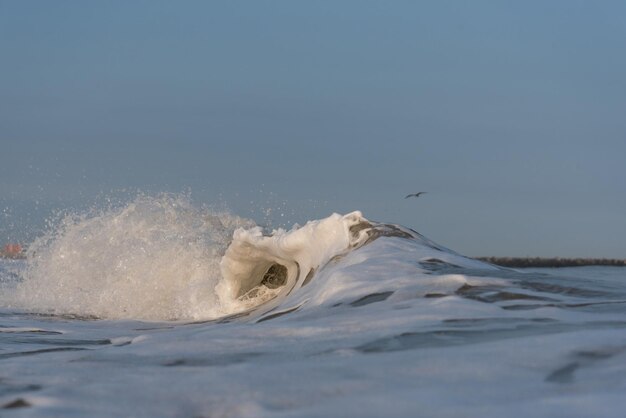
x=152 y=258
x=162 y=258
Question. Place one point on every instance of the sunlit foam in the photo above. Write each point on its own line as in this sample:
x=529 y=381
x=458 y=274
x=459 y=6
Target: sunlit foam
x=161 y=258
x=155 y=258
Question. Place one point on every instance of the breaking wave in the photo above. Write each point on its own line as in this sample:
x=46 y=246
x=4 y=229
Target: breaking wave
x=162 y=258
x=328 y=296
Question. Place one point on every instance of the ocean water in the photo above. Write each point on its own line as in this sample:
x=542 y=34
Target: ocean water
x=159 y=308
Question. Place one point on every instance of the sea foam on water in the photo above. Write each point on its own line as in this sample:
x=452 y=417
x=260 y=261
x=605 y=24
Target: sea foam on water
x=340 y=317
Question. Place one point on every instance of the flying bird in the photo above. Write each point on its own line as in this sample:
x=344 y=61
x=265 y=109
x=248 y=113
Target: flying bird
x=414 y=194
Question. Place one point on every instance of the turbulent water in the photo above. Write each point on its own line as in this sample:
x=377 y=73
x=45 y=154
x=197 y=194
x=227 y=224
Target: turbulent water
x=160 y=308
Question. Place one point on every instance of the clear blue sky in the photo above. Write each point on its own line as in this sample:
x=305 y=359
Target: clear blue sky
x=512 y=115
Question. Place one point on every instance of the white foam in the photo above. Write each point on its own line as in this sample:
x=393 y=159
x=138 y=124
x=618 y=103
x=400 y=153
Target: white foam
x=301 y=251
x=155 y=258
x=160 y=258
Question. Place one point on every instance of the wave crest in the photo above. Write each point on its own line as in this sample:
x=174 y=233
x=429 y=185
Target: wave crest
x=161 y=258
x=267 y=266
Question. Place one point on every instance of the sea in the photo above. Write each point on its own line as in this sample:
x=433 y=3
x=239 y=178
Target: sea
x=160 y=308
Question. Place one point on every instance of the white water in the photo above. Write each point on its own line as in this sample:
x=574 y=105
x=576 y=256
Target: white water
x=163 y=259
x=363 y=319
x=156 y=258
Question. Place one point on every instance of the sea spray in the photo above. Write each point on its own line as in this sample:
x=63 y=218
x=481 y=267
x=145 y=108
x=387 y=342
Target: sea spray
x=162 y=258
x=155 y=258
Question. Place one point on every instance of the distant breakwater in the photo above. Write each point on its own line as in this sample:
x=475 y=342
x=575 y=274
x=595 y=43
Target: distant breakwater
x=515 y=262
x=522 y=262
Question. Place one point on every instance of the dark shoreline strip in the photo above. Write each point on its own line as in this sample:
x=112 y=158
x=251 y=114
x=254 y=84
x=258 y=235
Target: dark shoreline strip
x=552 y=262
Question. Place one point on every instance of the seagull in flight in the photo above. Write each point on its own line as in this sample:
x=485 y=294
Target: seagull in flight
x=414 y=194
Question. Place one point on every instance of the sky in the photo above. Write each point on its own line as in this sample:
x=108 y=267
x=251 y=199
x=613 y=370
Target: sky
x=511 y=115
